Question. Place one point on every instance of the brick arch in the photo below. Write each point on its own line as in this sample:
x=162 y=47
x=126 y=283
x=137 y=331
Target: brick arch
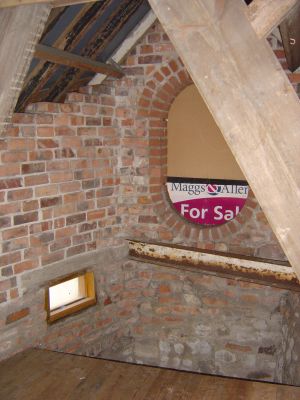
x=161 y=88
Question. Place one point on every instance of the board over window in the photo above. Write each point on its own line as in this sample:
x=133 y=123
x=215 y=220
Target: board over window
x=205 y=183
x=70 y=294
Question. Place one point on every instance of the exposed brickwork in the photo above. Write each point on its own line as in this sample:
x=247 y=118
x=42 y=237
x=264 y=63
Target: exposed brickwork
x=76 y=178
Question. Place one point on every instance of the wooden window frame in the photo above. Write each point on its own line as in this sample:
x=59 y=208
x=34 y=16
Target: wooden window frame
x=69 y=309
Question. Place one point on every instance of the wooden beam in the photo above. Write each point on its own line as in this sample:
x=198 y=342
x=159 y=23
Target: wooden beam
x=127 y=44
x=290 y=33
x=72 y=60
x=251 y=99
x=20 y=30
x=54 y=3
x=265 y=15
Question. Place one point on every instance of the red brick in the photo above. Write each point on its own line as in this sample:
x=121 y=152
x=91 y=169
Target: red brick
x=21 y=144
x=25 y=266
x=72 y=251
x=98 y=214
x=41 y=155
x=60 y=244
x=5 y=222
x=10 y=258
x=25 y=218
x=8 y=284
x=50 y=201
x=33 y=168
x=44 y=119
x=33 y=180
x=48 y=190
x=69 y=187
x=65 y=232
x=30 y=205
x=15 y=232
x=20 y=194
x=16 y=316
x=16 y=156
x=43 y=131
x=9 y=170
x=47 y=144
x=238 y=347
x=53 y=257
x=61 y=176
x=64 y=131
x=75 y=219
x=10 y=183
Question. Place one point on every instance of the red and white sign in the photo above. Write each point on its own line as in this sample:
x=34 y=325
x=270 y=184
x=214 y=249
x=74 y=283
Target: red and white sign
x=207 y=201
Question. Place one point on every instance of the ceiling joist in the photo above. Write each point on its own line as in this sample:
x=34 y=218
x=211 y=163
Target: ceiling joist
x=73 y=60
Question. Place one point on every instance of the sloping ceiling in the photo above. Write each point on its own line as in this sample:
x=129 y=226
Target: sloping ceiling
x=93 y=30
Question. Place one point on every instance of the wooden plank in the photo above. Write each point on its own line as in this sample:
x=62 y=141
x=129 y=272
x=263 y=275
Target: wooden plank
x=265 y=15
x=128 y=43
x=251 y=99
x=290 y=33
x=20 y=30
x=37 y=374
x=61 y=57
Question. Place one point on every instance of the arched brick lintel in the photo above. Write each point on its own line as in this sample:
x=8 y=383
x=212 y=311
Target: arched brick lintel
x=160 y=90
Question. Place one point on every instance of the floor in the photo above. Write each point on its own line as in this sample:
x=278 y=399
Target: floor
x=40 y=374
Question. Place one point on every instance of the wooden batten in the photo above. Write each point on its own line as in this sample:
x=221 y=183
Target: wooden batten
x=20 y=30
x=251 y=99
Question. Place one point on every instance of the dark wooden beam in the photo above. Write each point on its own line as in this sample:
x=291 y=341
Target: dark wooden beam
x=73 y=60
x=290 y=33
x=251 y=99
x=20 y=30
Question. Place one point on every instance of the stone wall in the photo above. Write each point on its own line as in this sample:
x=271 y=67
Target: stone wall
x=90 y=331
x=203 y=323
x=78 y=177
x=290 y=351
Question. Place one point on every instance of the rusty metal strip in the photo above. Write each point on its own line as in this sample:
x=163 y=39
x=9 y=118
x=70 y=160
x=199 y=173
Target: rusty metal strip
x=233 y=266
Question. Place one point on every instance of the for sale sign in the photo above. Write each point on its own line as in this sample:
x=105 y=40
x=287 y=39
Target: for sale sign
x=207 y=201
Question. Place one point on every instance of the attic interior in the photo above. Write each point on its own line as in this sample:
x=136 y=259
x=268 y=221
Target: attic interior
x=149 y=199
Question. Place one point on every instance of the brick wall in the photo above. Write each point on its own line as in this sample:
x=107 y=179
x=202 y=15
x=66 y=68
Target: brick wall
x=78 y=177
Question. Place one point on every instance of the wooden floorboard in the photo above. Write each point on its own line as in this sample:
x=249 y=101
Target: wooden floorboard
x=40 y=374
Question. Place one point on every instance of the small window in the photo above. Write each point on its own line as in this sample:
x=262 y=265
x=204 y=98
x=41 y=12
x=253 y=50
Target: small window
x=69 y=295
